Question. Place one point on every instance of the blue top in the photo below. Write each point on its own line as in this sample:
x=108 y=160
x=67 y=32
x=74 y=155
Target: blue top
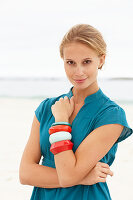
x=97 y=111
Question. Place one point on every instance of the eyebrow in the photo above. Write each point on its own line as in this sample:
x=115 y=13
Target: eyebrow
x=72 y=59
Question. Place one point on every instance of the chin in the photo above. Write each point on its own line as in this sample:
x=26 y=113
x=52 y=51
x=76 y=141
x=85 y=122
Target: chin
x=81 y=86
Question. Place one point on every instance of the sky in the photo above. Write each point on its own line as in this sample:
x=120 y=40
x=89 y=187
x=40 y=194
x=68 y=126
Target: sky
x=31 y=32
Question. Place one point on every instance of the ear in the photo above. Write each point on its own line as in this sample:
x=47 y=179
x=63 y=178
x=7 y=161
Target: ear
x=101 y=61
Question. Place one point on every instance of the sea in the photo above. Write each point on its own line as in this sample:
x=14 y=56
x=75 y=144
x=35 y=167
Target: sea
x=118 y=89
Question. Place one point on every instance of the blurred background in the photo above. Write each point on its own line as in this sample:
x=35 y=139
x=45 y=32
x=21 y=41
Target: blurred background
x=31 y=70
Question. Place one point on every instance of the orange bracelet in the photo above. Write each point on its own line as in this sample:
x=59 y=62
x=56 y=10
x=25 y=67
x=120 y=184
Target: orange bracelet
x=57 y=128
x=60 y=146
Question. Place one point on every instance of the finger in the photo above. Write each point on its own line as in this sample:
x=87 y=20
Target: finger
x=66 y=98
x=111 y=173
x=107 y=171
x=61 y=98
x=72 y=102
x=101 y=179
x=105 y=165
x=102 y=175
x=72 y=99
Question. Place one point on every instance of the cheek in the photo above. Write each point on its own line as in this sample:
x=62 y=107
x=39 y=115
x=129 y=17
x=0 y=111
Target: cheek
x=93 y=69
x=92 y=72
x=68 y=71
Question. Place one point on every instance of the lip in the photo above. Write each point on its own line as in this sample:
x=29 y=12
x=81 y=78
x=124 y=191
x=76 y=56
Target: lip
x=80 y=80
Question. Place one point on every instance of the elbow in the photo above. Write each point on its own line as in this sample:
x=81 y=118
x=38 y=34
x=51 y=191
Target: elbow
x=23 y=176
x=64 y=183
x=73 y=179
x=22 y=179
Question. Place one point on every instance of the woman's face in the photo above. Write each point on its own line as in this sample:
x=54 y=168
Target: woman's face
x=81 y=64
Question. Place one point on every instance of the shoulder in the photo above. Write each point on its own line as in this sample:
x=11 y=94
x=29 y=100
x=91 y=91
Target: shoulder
x=110 y=113
x=110 y=107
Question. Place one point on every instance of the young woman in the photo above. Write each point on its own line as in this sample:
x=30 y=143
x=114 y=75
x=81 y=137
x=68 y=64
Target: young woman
x=76 y=133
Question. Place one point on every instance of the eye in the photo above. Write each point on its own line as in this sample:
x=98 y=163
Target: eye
x=88 y=61
x=70 y=62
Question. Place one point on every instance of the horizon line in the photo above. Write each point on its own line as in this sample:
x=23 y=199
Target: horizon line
x=57 y=78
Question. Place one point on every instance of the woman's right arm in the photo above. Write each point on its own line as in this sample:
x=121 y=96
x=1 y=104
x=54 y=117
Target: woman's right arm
x=32 y=173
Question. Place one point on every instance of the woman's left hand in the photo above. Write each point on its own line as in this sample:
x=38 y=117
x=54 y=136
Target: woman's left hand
x=63 y=108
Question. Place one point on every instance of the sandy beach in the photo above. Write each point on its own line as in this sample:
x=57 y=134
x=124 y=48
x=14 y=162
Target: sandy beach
x=15 y=124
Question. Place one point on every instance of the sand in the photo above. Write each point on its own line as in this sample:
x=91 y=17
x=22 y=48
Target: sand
x=16 y=115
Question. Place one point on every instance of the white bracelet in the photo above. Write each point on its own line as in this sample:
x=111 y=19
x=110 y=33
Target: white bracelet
x=59 y=136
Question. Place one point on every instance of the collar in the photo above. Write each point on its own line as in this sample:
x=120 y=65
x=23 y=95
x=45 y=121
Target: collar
x=89 y=98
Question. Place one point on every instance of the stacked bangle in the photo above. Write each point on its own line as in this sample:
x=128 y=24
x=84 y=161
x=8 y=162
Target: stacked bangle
x=56 y=128
x=60 y=123
x=60 y=136
x=60 y=146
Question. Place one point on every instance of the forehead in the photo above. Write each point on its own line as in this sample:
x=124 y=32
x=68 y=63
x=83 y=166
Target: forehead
x=78 y=49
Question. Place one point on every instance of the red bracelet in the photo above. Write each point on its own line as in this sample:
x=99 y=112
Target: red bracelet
x=60 y=146
x=54 y=129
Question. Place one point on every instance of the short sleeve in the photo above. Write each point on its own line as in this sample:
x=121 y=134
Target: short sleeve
x=40 y=109
x=114 y=115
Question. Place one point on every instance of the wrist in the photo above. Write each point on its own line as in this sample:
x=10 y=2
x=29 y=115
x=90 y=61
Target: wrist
x=61 y=120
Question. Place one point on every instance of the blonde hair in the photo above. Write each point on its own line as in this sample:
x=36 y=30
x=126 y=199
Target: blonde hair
x=85 y=34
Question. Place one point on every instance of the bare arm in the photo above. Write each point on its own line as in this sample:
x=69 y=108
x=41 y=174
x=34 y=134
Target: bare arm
x=30 y=171
x=41 y=176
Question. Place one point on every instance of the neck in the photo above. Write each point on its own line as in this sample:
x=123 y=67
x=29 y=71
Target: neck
x=80 y=94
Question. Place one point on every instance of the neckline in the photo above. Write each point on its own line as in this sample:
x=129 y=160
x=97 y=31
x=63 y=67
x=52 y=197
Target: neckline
x=89 y=98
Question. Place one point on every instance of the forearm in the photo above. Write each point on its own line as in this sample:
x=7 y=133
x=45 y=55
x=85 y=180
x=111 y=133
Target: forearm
x=40 y=176
x=65 y=165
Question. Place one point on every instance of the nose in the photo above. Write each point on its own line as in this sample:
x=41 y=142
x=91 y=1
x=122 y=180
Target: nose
x=78 y=70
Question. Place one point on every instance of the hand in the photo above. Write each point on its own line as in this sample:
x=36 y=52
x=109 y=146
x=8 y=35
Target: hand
x=97 y=174
x=63 y=108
